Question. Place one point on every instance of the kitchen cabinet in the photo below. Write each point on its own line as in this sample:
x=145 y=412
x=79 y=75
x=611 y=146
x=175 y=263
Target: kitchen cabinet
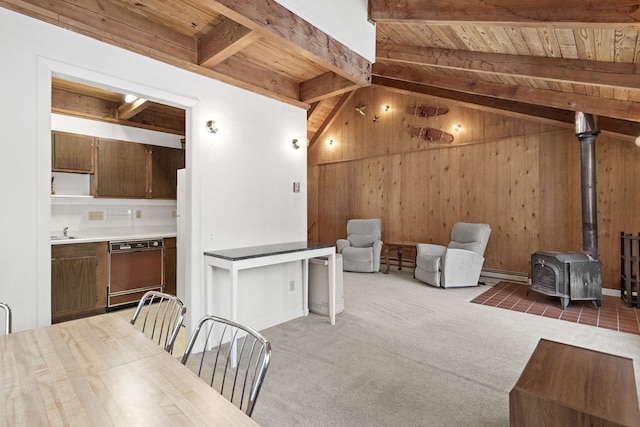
x=170 y=261
x=165 y=163
x=132 y=170
x=72 y=152
x=78 y=280
x=120 y=170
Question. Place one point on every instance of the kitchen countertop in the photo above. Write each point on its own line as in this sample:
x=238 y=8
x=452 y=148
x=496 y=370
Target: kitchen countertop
x=113 y=235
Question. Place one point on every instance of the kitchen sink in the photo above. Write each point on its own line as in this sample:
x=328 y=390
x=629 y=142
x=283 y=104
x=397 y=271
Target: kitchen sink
x=62 y=237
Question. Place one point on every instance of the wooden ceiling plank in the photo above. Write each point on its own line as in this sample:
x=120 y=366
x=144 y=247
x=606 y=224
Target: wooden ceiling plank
x=127 y=110
x=331 y=117
x=569 y=101
x=275 y=22
x=224 y=41
x=325 y=86
x=607 y=74
x=619 y=12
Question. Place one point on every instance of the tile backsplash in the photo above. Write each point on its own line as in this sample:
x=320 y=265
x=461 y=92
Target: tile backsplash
x=87 y=213
x=73 y=207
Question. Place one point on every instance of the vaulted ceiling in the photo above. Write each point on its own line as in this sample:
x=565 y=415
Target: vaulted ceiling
x=535 y=57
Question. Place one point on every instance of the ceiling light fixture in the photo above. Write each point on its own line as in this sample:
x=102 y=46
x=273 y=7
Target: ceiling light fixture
x=457 y=127
x=330 y=141
x=360 y=109
x=386 y=107
x=130 y=98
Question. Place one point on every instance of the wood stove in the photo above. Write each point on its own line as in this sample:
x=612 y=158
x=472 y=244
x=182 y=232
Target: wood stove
x=568 y=275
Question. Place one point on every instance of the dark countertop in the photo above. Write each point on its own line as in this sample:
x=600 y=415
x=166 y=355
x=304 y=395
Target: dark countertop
x=238 y=254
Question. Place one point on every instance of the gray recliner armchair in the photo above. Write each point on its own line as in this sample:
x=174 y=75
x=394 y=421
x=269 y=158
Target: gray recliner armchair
x=361 y=249
x=459 y=263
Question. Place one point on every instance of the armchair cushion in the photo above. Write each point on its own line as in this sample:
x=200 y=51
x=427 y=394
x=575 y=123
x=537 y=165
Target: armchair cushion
x=363 y=240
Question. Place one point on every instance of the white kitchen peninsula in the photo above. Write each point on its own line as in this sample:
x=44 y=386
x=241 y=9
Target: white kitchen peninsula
x=234 y=260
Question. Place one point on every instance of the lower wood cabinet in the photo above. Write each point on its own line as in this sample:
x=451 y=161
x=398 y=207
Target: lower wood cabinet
x=170 y=261
x=78 y=280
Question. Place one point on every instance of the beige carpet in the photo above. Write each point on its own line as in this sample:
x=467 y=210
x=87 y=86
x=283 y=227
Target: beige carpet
x=406 y=354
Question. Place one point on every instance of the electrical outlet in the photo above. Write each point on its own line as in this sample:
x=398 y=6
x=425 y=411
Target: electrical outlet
x=138 y=213
x=96 y=216
x=174 y=214
x=292 y=285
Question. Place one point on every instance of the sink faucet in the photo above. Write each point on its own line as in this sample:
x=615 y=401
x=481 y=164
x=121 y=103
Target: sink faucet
x=65 y=232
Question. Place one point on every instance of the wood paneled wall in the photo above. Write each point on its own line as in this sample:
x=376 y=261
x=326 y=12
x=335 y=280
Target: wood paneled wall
x=519 y=175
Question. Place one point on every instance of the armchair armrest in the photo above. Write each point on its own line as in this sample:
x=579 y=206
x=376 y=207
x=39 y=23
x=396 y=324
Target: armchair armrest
x=377 y=251
x=341 y=244
x=461 y=268
x=430 y=249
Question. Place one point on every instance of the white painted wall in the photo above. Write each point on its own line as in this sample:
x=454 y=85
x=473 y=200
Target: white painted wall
x=239 y=181
x=344 y=20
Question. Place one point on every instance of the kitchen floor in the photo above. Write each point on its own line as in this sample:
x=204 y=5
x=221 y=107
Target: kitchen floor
x=178 y=346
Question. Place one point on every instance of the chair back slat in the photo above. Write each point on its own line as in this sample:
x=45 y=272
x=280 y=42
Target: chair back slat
x=231 y=357
x=161 y=316
x=7 y=317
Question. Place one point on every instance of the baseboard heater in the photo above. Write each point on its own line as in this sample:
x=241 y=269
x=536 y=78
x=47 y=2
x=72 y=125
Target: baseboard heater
x=491 y=276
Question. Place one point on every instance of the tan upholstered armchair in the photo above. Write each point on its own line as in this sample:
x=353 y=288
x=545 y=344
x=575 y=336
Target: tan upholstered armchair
x=361 y=249
x=459 y=263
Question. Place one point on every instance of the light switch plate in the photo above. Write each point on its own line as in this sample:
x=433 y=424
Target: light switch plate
x=296 y=187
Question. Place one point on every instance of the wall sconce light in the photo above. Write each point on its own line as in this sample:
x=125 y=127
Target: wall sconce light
x=295 y=143
x=211 y=126
x=329 y=141
x=386 y=108
x=457 y=127
x=130 y=98
x=638 y=141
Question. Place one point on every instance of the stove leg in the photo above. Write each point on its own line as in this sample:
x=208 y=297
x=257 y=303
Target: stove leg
x=597 y=303
x=565 y=302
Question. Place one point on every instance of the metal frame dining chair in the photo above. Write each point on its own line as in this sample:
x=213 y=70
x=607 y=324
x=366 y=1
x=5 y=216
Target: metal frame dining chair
x=161 y=316
x=7 y=317
x=231 y=357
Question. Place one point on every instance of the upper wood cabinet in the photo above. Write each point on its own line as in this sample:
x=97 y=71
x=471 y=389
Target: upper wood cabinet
x=72 y=153
x=132 y=170
x=121 y=169
x=165 y=163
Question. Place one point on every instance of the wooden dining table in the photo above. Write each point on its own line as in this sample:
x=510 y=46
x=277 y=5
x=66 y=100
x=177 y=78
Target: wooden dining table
x=101 y=371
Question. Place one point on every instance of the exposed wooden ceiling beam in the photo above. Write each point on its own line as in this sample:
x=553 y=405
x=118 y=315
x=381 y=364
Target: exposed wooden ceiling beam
x=617 y=12
x=127 y=110
x=331 y=117
x=508 y=107
x=131 y=26
x=312 y=108
x=224 y=41
x=607 y=74
x=275 y=22
x=258 y=79
x=324 y=86
x=113 y=24
x=626 y=110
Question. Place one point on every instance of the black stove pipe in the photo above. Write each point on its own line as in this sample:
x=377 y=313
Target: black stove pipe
x=587 y=130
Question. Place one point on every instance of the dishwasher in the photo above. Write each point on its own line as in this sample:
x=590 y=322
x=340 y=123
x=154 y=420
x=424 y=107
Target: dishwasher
x=135 y=267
